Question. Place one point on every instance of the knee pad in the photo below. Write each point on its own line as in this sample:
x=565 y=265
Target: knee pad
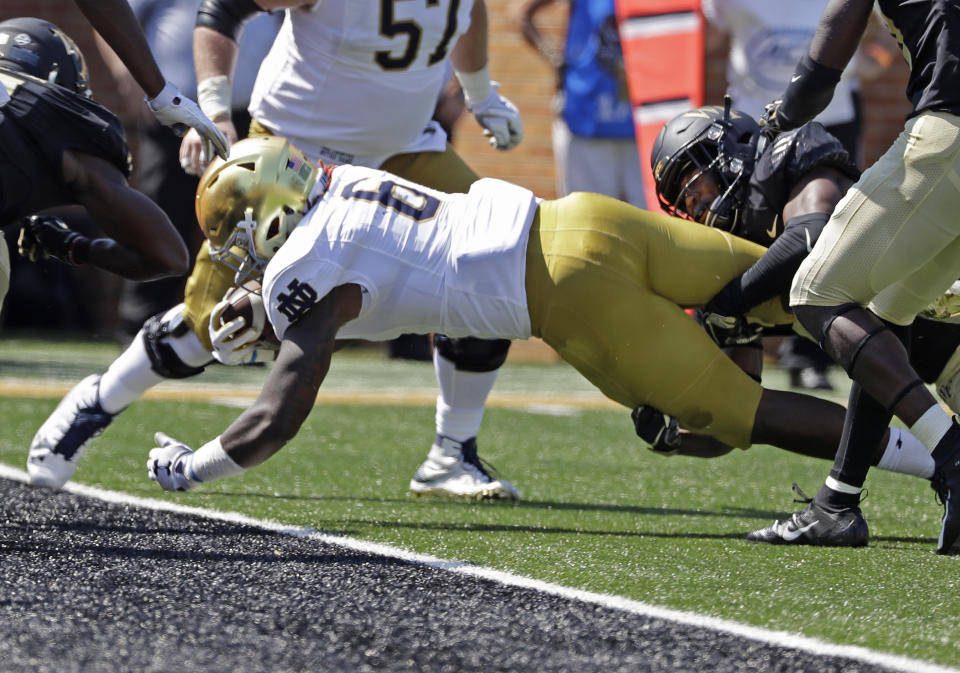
x=845 y=336
x=843 y=340
x=470 y=354
x=160 y=335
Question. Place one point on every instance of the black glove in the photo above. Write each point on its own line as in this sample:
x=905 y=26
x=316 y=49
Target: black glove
x=661 y=431
x=772 y=122
x=728 y=331
x=47 y=236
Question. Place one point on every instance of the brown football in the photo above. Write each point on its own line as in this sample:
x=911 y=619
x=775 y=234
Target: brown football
x=246 y=302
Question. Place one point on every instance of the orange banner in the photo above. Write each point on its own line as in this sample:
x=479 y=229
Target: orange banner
x=663 y=55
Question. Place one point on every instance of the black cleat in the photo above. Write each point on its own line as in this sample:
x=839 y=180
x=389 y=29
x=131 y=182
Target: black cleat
x=817 y=526
x=946 y=483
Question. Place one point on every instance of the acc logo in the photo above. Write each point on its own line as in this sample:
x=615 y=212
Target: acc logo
x=301 y=297
x=22 y=39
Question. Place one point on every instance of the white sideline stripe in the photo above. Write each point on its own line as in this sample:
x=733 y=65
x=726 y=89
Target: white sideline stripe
x=778 y=638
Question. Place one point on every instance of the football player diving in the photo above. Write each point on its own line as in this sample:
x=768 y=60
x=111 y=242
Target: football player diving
x=352 y=252
x=60 y=149
x=713 y=165
x=332 y=106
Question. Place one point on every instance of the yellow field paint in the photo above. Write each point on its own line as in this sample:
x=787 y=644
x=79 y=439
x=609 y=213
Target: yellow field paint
x=233 y=393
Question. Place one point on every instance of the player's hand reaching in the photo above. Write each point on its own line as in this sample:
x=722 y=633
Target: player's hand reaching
x=772 y=122
x=173 y=109
x=168 y=464
x=194 y=154
x=44 y=236
x=946 y=307
x=659 y=430
x=500 y=119
x=729 y=330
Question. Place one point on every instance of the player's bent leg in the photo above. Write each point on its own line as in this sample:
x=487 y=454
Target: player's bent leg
x=871 y=354
x=466 y=370
x=64 y=436
x=207 y=284
x=164 y=348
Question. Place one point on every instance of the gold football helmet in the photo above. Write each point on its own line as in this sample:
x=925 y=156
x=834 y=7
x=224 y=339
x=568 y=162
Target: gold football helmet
x=248 y=204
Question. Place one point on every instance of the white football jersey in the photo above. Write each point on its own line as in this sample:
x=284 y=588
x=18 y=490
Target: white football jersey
x=426 y=261
x=356 y=81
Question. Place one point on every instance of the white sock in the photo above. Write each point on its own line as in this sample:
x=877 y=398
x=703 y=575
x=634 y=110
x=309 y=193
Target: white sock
x=128 y=378
x=462 y=399
x=906 y=454
x=842 y=487
x=131 y=375
x=932 y=426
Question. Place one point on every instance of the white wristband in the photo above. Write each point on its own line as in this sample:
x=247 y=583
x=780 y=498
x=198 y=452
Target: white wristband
x=476 y=85
x=211 y=462
x=214 y=96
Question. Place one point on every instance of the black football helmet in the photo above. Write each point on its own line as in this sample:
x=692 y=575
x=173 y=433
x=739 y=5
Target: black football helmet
x=37 y=47
x=710 y=139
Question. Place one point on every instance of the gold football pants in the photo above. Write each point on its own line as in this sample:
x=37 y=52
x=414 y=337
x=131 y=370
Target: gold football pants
x=607 y=285
x=893 y=241
x=210 y=280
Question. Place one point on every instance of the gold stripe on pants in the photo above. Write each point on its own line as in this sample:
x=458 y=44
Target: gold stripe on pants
x=607 y=284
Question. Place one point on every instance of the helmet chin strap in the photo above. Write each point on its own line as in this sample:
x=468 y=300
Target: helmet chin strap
x=250 y=266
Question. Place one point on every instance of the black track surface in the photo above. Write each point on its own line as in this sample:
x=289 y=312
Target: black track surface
x=91 y=586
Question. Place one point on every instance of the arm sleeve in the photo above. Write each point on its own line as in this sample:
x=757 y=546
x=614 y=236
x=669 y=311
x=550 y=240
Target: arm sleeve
x=772 y=274
x=808 y=93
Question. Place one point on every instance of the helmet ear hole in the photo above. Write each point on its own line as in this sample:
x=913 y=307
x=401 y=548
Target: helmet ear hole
x=274 y=227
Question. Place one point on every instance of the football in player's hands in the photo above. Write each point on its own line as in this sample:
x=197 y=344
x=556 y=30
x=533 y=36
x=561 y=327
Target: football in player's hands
x=246 y=302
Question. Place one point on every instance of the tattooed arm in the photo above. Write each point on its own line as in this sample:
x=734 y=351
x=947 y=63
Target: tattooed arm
x=291 y=388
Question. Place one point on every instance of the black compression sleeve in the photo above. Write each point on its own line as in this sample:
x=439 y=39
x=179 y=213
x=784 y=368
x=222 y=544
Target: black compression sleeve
x=773 y=273
x=226 y=16
x=809 y=92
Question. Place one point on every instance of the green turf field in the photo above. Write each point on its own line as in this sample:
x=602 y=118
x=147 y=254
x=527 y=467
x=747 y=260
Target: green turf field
x=599 y=512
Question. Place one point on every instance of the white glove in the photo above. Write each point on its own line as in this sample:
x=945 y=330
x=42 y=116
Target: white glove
x=231 y=346
x=500 y=119
x=167 y=464
x=175 y=110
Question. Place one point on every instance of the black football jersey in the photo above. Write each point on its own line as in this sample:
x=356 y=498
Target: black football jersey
x=781 y=164
x=37 y=125
x=929 y=35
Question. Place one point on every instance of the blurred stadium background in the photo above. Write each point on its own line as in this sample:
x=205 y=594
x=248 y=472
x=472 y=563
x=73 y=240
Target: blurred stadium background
x=51 y=297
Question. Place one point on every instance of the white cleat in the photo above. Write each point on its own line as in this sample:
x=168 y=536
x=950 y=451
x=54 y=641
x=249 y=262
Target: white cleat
x=64 y=436
x=453 y=470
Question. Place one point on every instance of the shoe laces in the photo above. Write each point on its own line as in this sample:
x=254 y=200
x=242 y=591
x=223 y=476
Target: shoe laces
x=806 y=499
x=803 y=497
x=470 y=457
